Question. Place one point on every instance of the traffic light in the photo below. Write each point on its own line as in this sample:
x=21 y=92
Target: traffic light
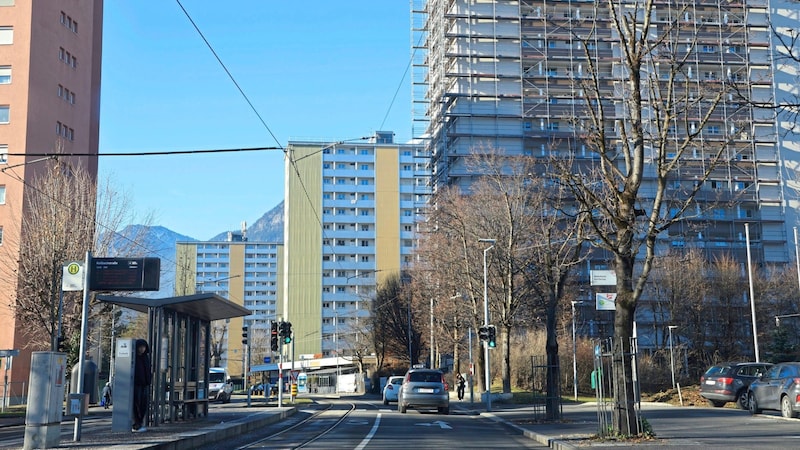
x=62 y=345
x=491 y=340
x=286 y=332
x=244 y=334
x=274 y=336
x=483 y=333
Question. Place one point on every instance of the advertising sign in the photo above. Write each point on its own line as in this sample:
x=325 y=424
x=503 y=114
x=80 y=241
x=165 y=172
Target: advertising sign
x=606 y=302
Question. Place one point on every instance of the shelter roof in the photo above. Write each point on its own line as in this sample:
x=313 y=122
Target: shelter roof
x=203 y=306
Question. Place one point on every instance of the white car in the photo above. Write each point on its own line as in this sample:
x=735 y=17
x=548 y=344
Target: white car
x=220 y=387
x=391 y=389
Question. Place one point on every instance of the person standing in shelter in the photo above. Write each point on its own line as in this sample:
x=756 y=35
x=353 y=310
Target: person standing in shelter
x=142 y=377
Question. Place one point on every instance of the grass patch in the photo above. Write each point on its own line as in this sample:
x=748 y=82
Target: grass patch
x=14 y=411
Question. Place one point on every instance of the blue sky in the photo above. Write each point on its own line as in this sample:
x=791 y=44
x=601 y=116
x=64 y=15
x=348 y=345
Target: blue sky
x=316 y=69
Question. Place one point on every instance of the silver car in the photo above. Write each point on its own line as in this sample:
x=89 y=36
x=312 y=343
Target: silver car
x=424 y=389
x=778 y=389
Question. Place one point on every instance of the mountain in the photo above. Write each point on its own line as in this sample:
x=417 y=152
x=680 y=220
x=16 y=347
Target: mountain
x=160 y=242
x=268 y=228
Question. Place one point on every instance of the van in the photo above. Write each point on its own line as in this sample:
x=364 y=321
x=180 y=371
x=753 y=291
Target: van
x=220 y=387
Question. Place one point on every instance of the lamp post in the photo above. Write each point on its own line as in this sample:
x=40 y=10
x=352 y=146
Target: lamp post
x=431 y=332
x=671 y=358
x=574 y=352
x=487 y=382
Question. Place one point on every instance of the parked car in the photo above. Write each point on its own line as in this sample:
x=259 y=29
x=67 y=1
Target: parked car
x=424 y=389
x=391 y=389
x=778 y=389
x=728 y=382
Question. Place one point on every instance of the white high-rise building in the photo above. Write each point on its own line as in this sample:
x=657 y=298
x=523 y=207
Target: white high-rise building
x=244 y=272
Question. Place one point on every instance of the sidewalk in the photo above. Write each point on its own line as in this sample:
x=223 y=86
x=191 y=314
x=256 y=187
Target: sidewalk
x=222 y=423
x=579 y=423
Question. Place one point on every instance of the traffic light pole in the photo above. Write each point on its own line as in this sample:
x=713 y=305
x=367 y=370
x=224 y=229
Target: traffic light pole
x=487 y=381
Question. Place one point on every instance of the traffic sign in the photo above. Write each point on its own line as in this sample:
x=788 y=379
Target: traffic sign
x=267 y=359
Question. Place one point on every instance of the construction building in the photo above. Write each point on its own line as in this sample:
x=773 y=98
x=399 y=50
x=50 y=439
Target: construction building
x=510 y=75
x=351 y=210
x=50 y=55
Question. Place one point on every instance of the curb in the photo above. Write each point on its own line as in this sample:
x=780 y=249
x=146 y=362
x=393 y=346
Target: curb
x=561 y=443
x=219 y=432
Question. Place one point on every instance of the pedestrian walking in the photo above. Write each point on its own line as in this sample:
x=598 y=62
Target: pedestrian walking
x=106 y=396
x=460 y=382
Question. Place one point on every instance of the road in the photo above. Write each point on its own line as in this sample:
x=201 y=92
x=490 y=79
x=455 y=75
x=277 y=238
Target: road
x=358 y=423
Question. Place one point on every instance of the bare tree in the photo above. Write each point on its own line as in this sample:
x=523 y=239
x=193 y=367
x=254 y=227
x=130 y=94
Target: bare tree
x=58 y=226
x=642 y=132
x=391 y=321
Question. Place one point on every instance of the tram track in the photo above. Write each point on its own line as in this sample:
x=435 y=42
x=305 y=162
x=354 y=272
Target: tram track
x=299 y=435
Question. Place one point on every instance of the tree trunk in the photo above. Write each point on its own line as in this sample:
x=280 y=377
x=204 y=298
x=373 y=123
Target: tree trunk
x=553 y=400
x=622 y=367
x=505 y=337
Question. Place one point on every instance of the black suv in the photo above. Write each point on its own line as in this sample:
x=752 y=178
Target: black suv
x=728 y=382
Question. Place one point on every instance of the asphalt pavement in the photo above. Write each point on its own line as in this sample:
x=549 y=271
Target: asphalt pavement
x=577 y=428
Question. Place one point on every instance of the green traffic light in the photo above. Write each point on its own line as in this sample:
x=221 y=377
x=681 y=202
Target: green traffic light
x=287 y=340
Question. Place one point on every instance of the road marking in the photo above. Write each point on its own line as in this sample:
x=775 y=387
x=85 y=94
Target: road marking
x=358 y=422
x=442 y=425
x=370 y=434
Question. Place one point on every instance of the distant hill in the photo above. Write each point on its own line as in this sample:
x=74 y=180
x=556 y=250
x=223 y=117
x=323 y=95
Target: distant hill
x=157 y=241
x=268 y=228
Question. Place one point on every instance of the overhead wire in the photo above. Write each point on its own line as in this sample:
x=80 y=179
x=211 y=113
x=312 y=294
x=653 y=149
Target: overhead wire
x=159 y=153
x=230 y=75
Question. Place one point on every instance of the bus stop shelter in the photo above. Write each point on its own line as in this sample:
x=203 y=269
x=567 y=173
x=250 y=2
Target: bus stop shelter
x=179 y=333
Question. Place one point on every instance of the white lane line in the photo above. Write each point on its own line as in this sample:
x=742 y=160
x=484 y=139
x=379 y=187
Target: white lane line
x=370 y=434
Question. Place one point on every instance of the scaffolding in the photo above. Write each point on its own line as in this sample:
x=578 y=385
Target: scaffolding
x=512 y=76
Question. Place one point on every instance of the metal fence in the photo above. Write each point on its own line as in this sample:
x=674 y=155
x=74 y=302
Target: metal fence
x=13 y=393
x=606 y=363
x=540 y=398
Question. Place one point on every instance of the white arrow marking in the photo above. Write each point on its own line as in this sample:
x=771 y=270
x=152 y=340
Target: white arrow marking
x=442 y=425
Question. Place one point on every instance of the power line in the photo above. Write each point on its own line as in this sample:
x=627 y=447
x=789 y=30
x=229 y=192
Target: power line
x=230 y=75
x=162 y=153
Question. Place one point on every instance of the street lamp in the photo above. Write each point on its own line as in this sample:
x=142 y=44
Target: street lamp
x=671 y=358
x=486 y=323
x=574 y=352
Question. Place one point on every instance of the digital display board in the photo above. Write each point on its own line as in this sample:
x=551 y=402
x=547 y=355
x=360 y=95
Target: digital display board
x=124 y=274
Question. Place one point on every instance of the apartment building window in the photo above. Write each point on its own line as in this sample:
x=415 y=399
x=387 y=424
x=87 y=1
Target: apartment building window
x=66 y=94
x=67 y=58
x=2 y=195
x=6 y=2
x=68 y=22
x=709 y=49
x=5 y=74
x=364 y=227
x=65 y=131
x=4 y=113
x=6 y=35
